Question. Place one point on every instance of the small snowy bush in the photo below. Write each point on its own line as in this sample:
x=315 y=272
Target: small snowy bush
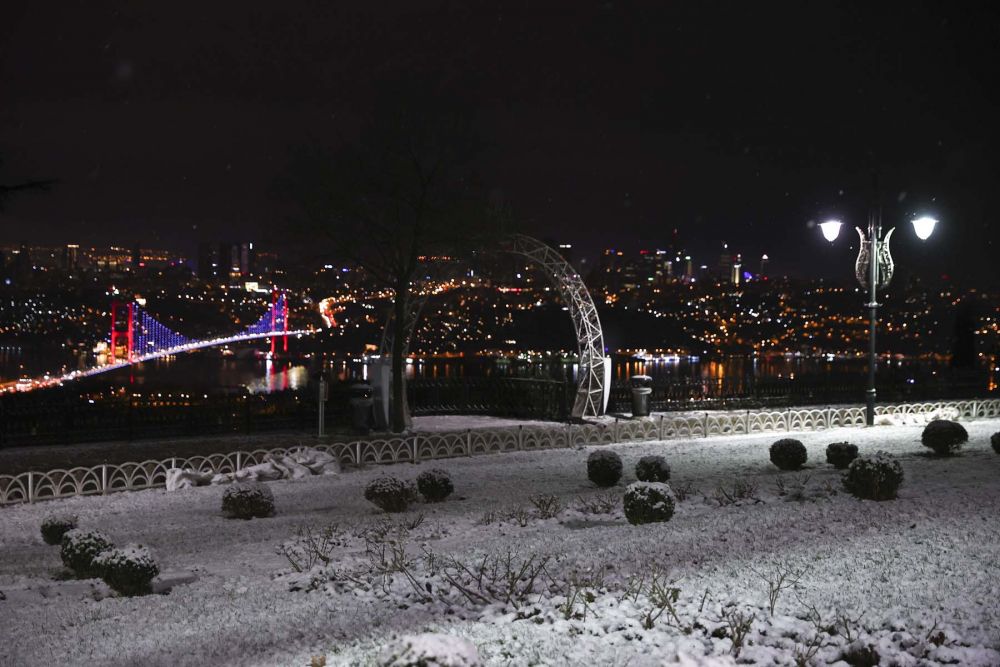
x=648 y=502
x=435 y=485
x=604 y=467
x=129 y=570
x=840 y=454
x=874 y=477
x=652 y=469
x=788 y=454
x=944 y=437
x=391 y=494
x=244 y=500
x=995 y=442
x=80 y=548
x=430 y=650
x=57 y=525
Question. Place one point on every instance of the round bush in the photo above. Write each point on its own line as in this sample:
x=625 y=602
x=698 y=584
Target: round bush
x=248 y=500
x=129 y=570
x=995 y=442
x=57 y=525
x=944 y=437
x=604 y=467
x=80 y=548
x=840 y=454
x=649 y=502
x=788 y=454
x=435 y=485
x=874 y=477
x=429 y=650
x=391 y=494
x=652 y=469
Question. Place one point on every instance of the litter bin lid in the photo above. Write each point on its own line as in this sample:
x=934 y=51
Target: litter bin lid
x=640 y=377
x=639 y=391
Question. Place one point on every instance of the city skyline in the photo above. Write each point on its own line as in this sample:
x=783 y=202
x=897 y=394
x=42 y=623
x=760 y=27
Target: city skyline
x=581 y=145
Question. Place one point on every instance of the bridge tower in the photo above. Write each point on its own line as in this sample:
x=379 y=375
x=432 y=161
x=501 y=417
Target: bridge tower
x=128 y=321
x=274 y=318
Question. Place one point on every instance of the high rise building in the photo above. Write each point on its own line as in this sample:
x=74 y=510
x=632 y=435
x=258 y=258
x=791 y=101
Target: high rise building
x=763 y=267
x=248 y=259
x=71 y=257
x=725 y=263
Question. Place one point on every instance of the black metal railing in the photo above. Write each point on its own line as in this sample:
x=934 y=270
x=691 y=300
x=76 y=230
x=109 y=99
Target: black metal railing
x=756 y=392
x=498 y=396
x=44 y=418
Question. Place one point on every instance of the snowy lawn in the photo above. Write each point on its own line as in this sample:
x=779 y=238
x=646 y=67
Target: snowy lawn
x=915 y=580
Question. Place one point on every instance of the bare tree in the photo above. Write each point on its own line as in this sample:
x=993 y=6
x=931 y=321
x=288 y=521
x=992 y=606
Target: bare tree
x=8 y=191
x=399 y=192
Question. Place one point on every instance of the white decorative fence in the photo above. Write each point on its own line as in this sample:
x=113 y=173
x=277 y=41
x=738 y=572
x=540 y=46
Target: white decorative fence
x=109 y=478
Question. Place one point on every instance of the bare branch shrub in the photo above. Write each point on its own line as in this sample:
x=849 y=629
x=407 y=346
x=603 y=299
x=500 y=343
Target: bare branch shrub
x=779 y=577
x=547 y=505
x=605 y=502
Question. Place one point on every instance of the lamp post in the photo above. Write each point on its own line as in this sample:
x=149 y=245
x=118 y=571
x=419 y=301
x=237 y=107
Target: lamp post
x=873 y=269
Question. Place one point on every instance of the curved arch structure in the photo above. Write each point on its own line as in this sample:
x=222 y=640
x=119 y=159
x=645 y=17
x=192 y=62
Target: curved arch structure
x=594 y=377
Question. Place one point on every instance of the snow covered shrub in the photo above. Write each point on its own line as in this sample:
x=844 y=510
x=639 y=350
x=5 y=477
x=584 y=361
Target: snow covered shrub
x=129 y=570
x=604 y=467
x=652 y=469
x=435 y=485
x=391 y=494
x=840 y=454
x=995 y=442
x=430 y=650
x=80 y=548
x=648 y=502
x=55 y=526
x=944 y=437
x=788 y=454
x=874 y=477
x=245 y=500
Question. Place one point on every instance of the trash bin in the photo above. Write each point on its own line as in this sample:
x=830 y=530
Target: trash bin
x=642 y=393
x=360 y=399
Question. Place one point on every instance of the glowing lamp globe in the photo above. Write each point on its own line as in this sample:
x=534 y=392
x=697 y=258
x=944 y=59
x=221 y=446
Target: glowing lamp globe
x=924 y=227
x=831 y=230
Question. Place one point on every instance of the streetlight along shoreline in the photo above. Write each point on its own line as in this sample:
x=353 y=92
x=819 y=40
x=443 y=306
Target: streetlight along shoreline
x=873 y=269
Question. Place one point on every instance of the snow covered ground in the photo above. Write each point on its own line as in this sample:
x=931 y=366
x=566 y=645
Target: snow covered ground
x=916 y=580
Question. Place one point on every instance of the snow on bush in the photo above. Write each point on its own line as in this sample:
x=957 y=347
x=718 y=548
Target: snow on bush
x=128 y=570
x=430 y=650
x=604 y=468
x=788 y=454
x=944 y=437
x=248 y=501
x=995 y=442
x=648 y=502
x=57 y=525
x=391 y=494
x=840 y=454
x=80 y=548
x=435 y=485
x=652 y=469
x=874 y=477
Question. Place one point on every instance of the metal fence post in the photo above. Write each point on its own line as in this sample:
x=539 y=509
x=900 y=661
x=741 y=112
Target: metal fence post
x=788 y=419
x=706 y=425
x=520 y=437
x=615 y=439
x=31 y=487
x=748 y=422
x=239 y=460
x=468 y=442
x=357 y=453
x=416 y=450
x=104 y=478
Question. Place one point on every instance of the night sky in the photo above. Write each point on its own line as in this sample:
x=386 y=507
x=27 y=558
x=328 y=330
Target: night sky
x=603 y=124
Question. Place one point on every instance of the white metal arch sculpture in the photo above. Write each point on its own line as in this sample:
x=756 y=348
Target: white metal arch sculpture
x=594 y=377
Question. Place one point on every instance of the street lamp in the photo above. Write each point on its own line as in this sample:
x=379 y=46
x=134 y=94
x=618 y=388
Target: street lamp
x=873 y=269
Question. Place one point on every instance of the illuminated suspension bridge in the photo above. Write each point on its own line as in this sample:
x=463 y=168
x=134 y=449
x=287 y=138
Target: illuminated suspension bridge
x=142 y=338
